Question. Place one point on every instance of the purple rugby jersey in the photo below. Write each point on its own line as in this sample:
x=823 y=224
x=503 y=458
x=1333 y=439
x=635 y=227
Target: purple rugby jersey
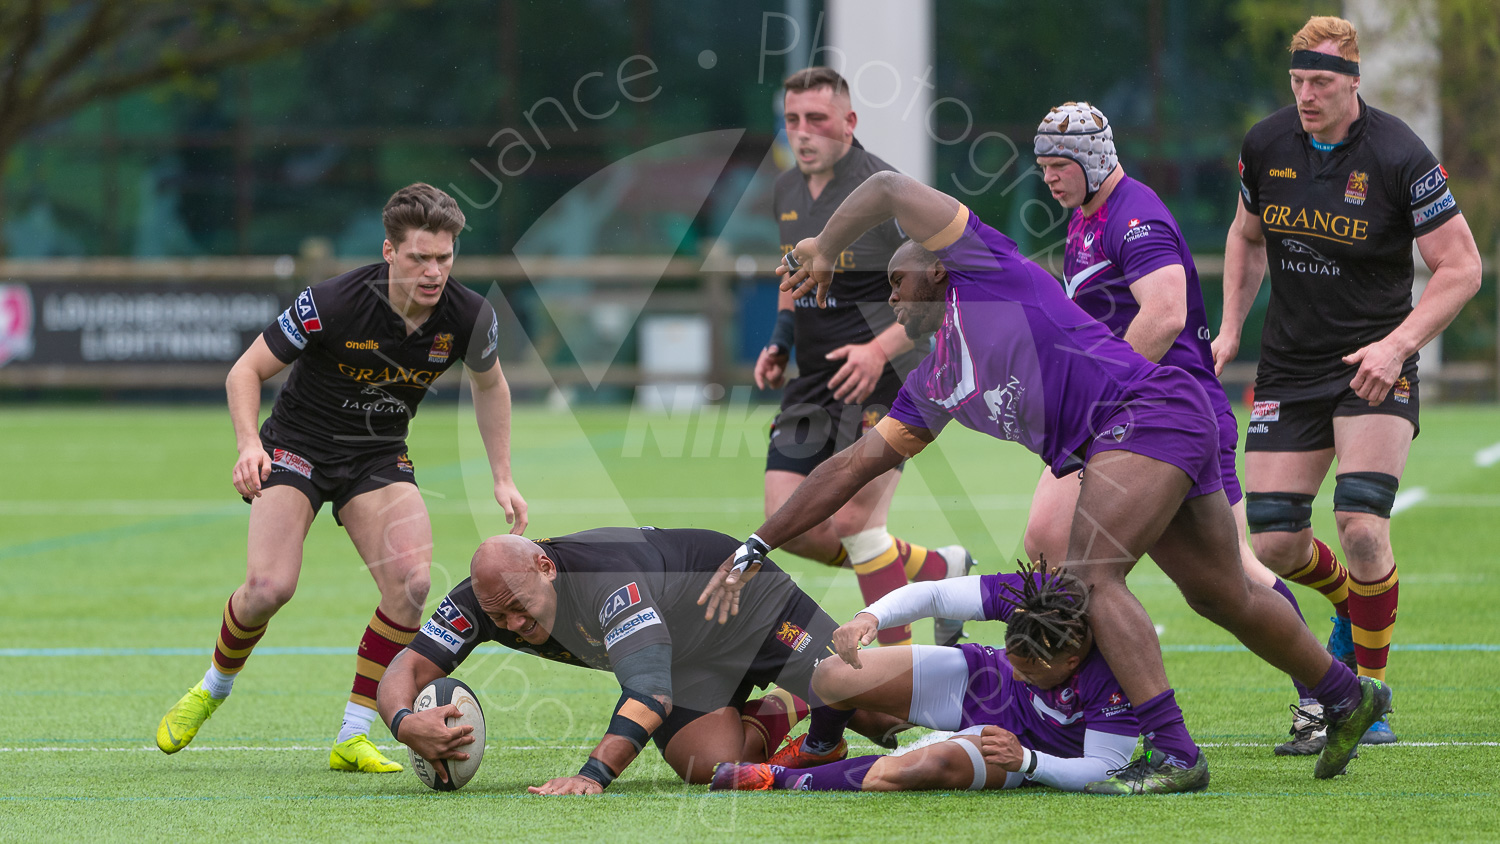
x=1005 y=318
x=1049 y=720
x=1130 y=236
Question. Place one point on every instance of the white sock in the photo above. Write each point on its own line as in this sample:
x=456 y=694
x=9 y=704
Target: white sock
x=867 y=544
x=217 y=683
x=357 y=721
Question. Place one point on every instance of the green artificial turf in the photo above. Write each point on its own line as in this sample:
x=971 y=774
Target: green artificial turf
x=121 y=537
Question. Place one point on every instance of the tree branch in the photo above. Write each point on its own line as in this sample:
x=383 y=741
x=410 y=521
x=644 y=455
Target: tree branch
x=30 y=33
x=209 y=57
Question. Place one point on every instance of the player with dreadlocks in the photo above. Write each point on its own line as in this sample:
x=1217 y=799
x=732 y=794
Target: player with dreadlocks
x=1044 y=709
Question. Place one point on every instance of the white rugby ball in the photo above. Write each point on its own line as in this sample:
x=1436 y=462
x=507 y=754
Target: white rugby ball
x=442 y=692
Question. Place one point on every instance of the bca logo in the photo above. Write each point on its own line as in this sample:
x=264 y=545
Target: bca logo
x=454 y=616
x=307 y=311
x=17 y=321
x=623 y=598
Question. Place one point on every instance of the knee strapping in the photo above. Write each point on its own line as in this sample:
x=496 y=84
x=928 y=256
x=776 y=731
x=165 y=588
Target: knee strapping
x=1278 y=512
x=1365 y=492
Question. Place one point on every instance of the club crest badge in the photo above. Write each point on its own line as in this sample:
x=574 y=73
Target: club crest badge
x=442 y=348
x=1357 y=188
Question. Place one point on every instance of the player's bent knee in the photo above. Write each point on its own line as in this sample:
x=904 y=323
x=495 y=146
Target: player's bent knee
x=1045 y=537
x=418 y=584
x=267 y=594
x=1278 y=512
x=832 y=679
x=1211 y=606
x=1363 y=539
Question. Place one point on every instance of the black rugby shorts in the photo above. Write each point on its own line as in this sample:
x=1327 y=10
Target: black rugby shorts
x=335 y=481
x=813 y=425
x=800 y=636
x=1295 y=412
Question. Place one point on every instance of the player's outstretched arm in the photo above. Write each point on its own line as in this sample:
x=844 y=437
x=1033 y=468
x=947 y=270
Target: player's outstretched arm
x=254 y=368
x=1102 y=752
x=645 y=702
x=427 y=732
x=492 y=413
x=921 y=211
x=1244 y=267
x=1449 y=251
x=819 y=496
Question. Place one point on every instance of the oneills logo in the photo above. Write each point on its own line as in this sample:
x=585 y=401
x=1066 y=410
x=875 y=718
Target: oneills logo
x=1283 y=172
x=789 y=217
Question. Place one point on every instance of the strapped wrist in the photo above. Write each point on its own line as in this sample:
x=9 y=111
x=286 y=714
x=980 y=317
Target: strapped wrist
x=396 y=721
x=783 y=334
x=598 y=772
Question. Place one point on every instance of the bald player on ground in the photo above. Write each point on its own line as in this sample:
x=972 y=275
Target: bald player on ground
x=623 y=600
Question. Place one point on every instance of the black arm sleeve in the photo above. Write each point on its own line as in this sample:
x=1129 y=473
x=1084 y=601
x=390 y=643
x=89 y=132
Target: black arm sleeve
x=647 y=671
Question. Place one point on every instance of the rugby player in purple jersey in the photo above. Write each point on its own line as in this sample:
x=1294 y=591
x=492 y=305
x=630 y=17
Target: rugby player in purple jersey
x=1044 y=709
x=1127 y=265
x=1015 y=359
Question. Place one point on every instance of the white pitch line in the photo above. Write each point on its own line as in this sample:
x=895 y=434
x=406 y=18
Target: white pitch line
x=1408 y=498
x=1487 y=457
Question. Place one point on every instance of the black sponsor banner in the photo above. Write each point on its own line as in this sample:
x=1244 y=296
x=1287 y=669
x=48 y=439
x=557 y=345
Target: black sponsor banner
x=97 y=324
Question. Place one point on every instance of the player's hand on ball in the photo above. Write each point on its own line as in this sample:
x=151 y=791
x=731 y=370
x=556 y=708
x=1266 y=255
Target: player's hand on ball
x=722 y=594
x=510 y=500
x=428 y=734
x=568 y=785
x=812 y=272
x=1001 y=748
x=252 y=469
x=849 y=638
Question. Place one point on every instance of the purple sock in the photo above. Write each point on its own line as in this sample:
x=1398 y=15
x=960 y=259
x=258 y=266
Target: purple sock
x=1161 y=722
x=1303 y=692
x=847 y=775
x=825 y=726
x=1338 y=691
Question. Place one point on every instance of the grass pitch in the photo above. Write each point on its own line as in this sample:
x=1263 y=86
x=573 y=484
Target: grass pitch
x=121 y=537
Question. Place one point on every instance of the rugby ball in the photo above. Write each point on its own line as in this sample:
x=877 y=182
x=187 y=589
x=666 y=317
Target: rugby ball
x=442 y=692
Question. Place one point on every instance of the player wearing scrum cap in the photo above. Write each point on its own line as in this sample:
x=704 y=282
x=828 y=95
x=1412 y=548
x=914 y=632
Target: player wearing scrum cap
x=364 y=348
x=1333 y=194
x=851 y=355
x=1017 y=361
x=1127 y=265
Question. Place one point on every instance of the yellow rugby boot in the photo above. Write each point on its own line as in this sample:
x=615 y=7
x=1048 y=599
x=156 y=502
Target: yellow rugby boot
x=360 y=754
x=184 y=719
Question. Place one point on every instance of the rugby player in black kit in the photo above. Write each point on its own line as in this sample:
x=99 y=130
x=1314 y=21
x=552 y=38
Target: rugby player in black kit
x=1333 y=194
x=364 y=348
x=851 y=355
x=625 y=600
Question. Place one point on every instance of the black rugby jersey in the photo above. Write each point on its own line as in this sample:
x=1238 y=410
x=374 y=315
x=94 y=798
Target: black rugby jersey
x=1339 y=228
x=357 y=376
x=619 y=590
x=858 y=306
